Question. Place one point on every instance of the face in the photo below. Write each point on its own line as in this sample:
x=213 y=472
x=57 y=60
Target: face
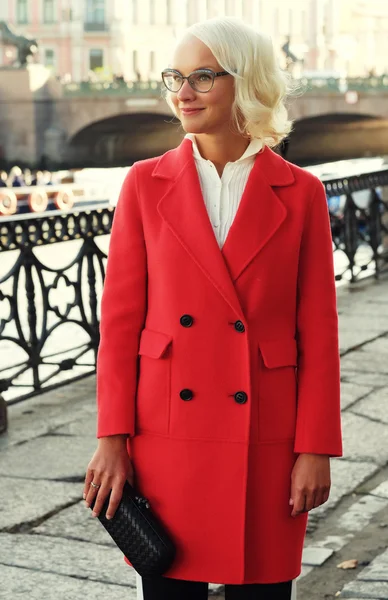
x=214 y=112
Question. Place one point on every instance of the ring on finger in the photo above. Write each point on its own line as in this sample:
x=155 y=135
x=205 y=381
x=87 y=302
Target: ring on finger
x=95 y=485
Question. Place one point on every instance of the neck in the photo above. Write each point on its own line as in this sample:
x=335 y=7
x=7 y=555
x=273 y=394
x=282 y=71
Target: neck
x=221 y=148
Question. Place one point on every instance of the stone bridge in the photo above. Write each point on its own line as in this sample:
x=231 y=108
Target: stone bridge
x=117 y=123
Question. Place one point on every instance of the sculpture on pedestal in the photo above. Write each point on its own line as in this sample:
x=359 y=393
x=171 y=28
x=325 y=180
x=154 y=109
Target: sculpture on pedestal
x=25 y=46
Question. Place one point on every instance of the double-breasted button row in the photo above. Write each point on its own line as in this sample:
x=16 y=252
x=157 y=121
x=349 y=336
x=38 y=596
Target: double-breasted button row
x=240 y=397
x=186 y=394
x=187 y=321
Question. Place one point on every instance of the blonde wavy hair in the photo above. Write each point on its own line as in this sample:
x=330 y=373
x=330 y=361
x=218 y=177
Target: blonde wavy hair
x=261 y=86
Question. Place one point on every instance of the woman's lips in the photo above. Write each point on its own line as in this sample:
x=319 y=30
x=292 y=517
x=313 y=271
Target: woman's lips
x=191 y=111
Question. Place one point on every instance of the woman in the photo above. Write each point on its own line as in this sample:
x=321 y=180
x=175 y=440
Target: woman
x=220 y=279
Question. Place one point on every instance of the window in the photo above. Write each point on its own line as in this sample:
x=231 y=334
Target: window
x=229 y=7
x=49 y=57
x=95 y=11
x=168 y=12
x=152 y=61
x=152 y=12
x=21 y=12
x=48 y=11
x=135 y=14
x=96 y=59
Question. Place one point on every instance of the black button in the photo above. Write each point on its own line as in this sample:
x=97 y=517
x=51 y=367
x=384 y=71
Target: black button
x=239 y=326
x=186 y=394
x=186 y=320
x=241 y=397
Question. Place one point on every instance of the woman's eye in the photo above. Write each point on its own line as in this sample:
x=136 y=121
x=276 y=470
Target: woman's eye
x=204 y=77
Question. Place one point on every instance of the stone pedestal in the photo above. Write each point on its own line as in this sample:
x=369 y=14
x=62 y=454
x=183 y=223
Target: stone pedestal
x=21 y=93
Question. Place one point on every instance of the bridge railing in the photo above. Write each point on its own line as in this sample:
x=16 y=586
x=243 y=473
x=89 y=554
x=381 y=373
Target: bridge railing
x=154 y=88
x=52 y=270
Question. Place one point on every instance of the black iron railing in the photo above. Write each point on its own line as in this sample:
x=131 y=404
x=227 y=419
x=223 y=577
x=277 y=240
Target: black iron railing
x=49 y=298
x=359 y=223
x=52 y=273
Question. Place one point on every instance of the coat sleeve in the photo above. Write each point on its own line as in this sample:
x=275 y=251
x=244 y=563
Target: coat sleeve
x=123 y=308
x=318 y=426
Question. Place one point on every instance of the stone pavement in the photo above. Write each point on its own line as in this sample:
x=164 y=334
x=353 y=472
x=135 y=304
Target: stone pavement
x=50 y=547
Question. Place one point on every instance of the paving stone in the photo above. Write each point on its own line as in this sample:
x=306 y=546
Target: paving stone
x=42 y=414
x=349 y=339
x=345 y=477
x=362 y=377
x=48 y=457
x=29 y=584
x=375 y=405
x=361 y=513
x=66 y=557
x=351 y=392
x=85 y=426
x=377 y=570
x=75 y=522
x=381 y=490
x=365 y=589
x=335 y=542
x=364 y=439
x=305 y=571
x=316 y=556
x=380 y=345
x=25 y=500
x=365 y=361
x=372 y=322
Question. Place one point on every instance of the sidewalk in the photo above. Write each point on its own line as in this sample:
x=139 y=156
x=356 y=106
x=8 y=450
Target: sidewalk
x=50 y=547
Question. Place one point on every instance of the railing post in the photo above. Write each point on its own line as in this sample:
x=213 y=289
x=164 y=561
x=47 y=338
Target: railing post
x=3 y=415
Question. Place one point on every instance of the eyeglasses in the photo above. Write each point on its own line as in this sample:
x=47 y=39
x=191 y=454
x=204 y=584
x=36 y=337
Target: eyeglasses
x=201 y=80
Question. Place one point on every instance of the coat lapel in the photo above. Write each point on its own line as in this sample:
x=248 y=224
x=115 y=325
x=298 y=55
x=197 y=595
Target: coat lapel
x=260 y=212
x=259 y=215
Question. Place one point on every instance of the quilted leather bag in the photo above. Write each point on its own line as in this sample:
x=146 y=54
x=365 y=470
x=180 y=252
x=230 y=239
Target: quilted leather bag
x=138 y=533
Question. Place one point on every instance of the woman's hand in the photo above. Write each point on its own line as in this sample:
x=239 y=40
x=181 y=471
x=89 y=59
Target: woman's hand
x=310 y=482
x=109 y=468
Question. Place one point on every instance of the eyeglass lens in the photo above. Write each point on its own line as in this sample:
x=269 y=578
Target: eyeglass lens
x=202 y=81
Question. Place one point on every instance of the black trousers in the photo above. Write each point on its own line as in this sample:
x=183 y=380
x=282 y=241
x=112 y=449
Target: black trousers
x=166 y=588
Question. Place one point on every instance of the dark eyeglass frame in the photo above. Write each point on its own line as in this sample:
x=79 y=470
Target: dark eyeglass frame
x=207 y=71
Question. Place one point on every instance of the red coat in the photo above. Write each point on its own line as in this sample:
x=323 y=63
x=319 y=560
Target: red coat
x=220 y=411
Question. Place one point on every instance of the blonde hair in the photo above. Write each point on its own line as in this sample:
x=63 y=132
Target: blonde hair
x=261 y=86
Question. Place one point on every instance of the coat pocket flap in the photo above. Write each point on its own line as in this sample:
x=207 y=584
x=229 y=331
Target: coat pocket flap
x=279 y=353
x=153 y=343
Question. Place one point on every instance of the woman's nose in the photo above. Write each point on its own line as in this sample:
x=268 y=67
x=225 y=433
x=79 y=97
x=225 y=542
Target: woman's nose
x=186 y=92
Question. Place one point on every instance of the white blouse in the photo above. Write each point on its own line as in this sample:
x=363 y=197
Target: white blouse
x=222 y=195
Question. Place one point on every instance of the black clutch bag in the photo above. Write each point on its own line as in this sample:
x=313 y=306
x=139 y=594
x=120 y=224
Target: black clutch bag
x=138 y=533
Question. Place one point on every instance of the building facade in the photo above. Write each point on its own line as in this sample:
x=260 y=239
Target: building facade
x=87 y=39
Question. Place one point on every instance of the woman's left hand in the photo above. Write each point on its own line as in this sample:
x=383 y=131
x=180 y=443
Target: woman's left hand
x=310 y=482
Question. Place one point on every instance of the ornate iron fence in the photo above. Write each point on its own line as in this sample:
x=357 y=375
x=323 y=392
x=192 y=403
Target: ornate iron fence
x=358 y=208
x=49 y=298
x=49 y=313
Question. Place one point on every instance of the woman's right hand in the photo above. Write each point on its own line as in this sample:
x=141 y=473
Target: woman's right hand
x=110 y=467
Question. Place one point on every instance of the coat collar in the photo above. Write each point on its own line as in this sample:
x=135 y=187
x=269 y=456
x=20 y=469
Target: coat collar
x=259 y=215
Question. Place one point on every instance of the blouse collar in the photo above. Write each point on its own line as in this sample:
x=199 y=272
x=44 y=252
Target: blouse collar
x=255 y=146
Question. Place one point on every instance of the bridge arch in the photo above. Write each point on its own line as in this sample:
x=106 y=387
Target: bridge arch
x=123 y=138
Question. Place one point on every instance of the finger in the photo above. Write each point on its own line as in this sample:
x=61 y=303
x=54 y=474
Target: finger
x=299 y=503
x=100 y=497
x=322 y=498
x=88 y=479
x=93 y=491
x=114 y=501
x=310 y=499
